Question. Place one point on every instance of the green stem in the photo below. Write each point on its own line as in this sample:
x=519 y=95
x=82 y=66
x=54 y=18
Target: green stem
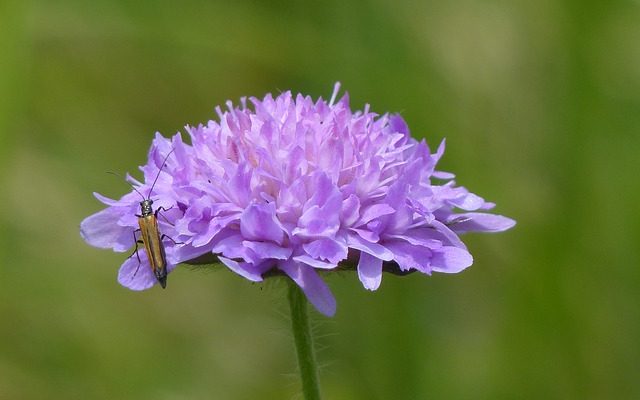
x=304 y=343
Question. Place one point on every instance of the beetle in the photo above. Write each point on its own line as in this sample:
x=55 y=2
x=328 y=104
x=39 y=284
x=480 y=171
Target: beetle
x=150 y=235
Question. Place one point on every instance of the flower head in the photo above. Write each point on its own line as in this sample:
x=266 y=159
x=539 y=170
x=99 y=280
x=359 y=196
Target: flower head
x=298 y=186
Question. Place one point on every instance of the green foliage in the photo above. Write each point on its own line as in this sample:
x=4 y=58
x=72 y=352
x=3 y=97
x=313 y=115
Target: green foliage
x=540 y=105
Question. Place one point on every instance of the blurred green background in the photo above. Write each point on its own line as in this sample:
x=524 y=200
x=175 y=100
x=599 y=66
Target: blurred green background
x=540 y=105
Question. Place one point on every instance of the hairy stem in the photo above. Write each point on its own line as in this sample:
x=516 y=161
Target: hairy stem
x=304 y=343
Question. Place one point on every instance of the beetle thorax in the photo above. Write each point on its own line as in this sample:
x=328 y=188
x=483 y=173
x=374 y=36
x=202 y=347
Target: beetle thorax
x=145 y=207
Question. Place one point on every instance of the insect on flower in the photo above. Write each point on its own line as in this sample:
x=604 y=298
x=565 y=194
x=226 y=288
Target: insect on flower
x=150 y=235
x=296 y=186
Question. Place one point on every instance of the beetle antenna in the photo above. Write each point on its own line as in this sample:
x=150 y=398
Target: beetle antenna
x=158 y=175
x=133 y=187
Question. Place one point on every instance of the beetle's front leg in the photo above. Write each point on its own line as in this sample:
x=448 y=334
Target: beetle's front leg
x=170 y=238
x=157 y=213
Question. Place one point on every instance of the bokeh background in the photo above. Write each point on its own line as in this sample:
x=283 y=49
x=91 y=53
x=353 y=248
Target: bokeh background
x=540 y=105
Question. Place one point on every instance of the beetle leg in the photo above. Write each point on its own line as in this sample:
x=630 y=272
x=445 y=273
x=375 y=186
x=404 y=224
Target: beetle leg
x=136 y=241
x=135 y=251
x=170 y=238
x=163 y=209
x=157 y=212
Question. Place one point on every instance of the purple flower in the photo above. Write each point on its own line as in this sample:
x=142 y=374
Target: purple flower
x=296 y=186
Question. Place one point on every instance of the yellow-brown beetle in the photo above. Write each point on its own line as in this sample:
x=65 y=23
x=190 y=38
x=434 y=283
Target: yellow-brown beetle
x=150 y=235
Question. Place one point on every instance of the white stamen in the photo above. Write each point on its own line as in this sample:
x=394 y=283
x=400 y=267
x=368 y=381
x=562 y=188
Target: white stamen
x=336 y=89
